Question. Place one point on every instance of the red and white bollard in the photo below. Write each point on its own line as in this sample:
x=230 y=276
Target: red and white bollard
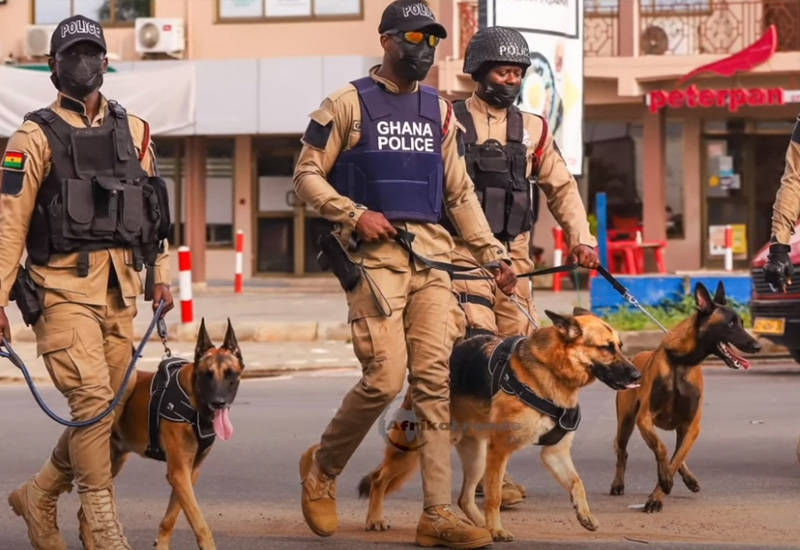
x=238 y=281
x=558 y=257
x=728 y=248
x=185 y=282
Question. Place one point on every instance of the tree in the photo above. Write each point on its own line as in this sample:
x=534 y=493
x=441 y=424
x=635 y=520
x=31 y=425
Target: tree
x=124 y=10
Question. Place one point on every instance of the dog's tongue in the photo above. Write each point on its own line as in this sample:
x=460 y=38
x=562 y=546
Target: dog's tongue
x=222 y=424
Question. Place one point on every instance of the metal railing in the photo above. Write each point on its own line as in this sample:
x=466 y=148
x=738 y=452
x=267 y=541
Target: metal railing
x=692 y=27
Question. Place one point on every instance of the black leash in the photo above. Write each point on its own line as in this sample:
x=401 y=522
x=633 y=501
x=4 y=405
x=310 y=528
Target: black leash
x=405 y=238
x=12 y=356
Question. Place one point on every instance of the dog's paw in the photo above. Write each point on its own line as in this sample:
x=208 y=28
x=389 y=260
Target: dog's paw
x=379 y=524
x=588 y=521
x=617 y=489
x=652 y=506
x=665 y=480
x=501 y=535
x=692 y=484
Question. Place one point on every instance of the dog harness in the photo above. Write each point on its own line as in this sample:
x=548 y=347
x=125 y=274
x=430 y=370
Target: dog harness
x=504 y=378
x=170 y=401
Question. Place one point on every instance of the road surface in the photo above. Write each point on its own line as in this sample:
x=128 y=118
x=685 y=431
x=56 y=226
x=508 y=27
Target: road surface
x=249 y=489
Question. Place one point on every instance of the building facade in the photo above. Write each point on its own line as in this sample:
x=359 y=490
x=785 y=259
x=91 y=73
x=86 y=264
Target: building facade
x=678 y=161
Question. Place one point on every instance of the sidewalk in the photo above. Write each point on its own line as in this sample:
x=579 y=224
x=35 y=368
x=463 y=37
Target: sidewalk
x=305 y=310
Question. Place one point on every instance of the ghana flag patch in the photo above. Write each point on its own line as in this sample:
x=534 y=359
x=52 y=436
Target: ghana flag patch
x=14 y=160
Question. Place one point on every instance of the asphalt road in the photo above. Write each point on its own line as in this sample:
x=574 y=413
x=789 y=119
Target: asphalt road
x=249 y=489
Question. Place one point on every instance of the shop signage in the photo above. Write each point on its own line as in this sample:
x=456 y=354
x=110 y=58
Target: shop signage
x=733 y=98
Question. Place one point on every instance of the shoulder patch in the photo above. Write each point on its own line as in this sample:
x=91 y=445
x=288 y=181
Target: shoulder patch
x=796 y=132
x=462 y=148
x=11 y=182
x=14 y=160
x=319 y=129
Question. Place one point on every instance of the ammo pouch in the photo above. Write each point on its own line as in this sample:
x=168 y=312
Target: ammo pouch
x=24 y=293
x=156 y=199
x=333 y=257
x=102 y=208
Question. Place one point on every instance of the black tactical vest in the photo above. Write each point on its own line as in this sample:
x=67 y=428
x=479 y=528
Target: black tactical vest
x=499 y=173
x=97 y=195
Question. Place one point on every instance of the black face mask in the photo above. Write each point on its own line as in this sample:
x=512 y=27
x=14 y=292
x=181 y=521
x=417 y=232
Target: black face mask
x=416 y=61
x=78 y=75
x=501 y=96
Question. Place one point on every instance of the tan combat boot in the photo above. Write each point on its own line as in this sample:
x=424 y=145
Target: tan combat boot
x=439 y=526
x=513 y=493
x=100 y=512
x=35 y=502
x=319 y=495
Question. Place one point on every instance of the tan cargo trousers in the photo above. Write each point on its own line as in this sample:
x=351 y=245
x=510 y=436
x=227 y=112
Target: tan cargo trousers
x=416 y=340
x=502 y=317
x=86 y=350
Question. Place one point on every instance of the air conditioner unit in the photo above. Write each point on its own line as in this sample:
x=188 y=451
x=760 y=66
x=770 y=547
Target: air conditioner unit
x=670 y=36
x=37 y=40
x=159 y=35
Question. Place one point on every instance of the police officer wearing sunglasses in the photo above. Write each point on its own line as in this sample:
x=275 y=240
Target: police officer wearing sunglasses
x=380 y=154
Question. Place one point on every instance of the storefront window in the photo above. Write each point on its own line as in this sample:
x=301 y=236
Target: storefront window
x=275 y=160
x=220 y=189
x=616 y=167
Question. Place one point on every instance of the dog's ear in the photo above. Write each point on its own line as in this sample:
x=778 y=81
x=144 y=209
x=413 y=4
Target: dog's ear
x=566 y=325
x=203 y=342
x=580 y=311
x=719 y=295
x=703 y=299
x=230 y=344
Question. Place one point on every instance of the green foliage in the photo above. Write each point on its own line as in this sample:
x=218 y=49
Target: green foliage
x=592 y=224
x=669 y=313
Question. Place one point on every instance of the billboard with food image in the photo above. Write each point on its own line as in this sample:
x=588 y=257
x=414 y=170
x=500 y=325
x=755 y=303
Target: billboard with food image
x=553 y=86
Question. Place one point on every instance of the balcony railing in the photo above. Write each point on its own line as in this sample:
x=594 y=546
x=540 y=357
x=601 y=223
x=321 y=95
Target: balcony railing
x=691 y=27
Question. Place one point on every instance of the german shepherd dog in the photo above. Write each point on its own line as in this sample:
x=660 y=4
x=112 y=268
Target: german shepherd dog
x=210 y=383
x=670 y=396
x=555 y=363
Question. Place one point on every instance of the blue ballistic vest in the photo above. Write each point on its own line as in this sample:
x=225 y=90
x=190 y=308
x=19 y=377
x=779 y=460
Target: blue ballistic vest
x=396 y=168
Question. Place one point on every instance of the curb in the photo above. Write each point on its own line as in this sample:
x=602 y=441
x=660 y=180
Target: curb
x=312 y=331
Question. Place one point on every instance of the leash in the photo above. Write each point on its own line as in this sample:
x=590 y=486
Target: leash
x=405 y=238
x=12 y=356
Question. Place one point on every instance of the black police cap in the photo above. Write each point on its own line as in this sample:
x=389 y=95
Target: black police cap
x=77 y=29
x=410 y=15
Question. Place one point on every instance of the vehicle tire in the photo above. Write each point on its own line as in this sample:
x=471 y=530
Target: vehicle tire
x=795 y=353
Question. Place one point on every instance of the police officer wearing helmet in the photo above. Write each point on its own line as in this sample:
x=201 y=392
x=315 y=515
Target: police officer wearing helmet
x=381 y=155
x=77 y=193
x=508 y=155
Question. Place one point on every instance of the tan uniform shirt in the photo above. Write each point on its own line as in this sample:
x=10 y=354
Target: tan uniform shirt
x=786 y=209
x=15 y=215
x=555 y=180
x=343 y=110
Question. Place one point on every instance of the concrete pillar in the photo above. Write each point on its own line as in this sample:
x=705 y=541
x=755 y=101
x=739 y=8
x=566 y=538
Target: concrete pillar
x=244 y=196
x=655 y=189
x=195 y=189
x=628 y=28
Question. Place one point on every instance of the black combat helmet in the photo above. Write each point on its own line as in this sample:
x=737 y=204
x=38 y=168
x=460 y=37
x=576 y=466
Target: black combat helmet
x=496 y=45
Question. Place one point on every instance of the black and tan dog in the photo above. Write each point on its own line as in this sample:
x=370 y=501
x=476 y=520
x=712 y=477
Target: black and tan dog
x=504 y=396
x=174 y=415
x=670 y=396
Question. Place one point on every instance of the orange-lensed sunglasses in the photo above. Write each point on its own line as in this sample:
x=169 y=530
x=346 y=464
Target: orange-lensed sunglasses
x=416 y=37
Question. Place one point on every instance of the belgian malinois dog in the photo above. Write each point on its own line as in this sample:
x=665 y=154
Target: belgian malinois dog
x=208 y=386
x=670 y=396
x=554 y=363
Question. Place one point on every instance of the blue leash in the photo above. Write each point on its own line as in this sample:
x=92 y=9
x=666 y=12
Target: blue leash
x=12 y=356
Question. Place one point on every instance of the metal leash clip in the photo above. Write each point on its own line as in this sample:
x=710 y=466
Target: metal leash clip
x=515 y=299
x=631 y=299
x=162 y=332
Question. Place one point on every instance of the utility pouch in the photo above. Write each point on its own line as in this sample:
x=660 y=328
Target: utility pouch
x=333 y=257
x=24 y=293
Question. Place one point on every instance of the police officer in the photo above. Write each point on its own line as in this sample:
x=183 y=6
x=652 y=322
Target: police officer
x=508 y=153
x=75 y=191
x=381 y=154
x=778 y=270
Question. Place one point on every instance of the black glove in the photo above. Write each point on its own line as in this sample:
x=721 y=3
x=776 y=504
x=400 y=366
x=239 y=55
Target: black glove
x=778 y=270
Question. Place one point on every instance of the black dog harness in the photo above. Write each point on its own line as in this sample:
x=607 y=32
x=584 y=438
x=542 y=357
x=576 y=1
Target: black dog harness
x=169 y=400
x=504 y=378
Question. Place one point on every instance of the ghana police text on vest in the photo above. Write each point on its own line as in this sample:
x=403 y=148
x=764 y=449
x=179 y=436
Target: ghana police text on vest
x=397 y=167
